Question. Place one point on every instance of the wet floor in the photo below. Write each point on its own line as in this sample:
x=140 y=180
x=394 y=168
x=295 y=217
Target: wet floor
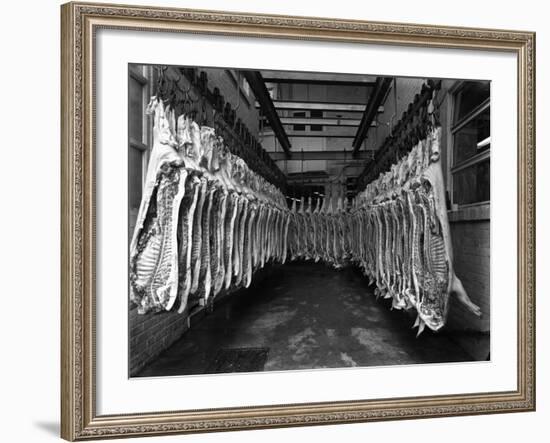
x=304 y=315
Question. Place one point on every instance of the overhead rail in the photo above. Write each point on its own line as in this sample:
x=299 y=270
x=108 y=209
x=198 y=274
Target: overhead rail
x=223 y=116
x=257 y=84
x=411 y=128
x=377 y=97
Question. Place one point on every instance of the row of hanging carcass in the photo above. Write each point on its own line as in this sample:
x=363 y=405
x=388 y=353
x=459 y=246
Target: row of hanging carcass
x=207 y=222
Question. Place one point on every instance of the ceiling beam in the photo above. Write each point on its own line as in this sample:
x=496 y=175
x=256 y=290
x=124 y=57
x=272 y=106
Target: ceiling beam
x=375 y=100
x=291 y=121
x=256 y=83
x=305 y=81
x=310 y=134
x=321 y=155
x=320 y=121
x=319 y=106
x=336 y=76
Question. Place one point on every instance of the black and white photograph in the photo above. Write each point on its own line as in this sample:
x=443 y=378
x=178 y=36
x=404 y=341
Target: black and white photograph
x=284 y=220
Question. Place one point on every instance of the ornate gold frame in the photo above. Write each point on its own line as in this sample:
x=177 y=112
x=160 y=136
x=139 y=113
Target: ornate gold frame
x=79 y=420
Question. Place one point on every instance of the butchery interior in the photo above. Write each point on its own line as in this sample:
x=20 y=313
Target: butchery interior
x=305 y=220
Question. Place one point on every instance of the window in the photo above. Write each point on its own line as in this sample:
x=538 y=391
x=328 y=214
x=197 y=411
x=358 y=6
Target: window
x=138 y=133
x=242 y=85
x=301 y=115
x=245 y=87
x=316 y=114
x=471 y=135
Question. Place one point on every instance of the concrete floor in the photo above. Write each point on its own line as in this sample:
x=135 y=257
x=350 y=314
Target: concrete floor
x=306 y=315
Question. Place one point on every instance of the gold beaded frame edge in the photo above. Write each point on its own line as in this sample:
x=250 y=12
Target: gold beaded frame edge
x=79 y=21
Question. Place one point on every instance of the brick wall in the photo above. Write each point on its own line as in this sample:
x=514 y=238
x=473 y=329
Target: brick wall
x=150 y=334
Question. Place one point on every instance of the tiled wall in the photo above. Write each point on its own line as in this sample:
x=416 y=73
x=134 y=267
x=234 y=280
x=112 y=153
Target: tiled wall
x=470 y=230
x=472 y=265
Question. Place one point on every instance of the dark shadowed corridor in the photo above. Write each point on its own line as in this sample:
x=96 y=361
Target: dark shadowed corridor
x=304 y=315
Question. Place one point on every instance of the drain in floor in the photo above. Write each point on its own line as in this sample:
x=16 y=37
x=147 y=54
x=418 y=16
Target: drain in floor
x=238 y=360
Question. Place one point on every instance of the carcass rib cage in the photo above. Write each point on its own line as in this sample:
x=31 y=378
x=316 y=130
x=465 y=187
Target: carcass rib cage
x=207 y=222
